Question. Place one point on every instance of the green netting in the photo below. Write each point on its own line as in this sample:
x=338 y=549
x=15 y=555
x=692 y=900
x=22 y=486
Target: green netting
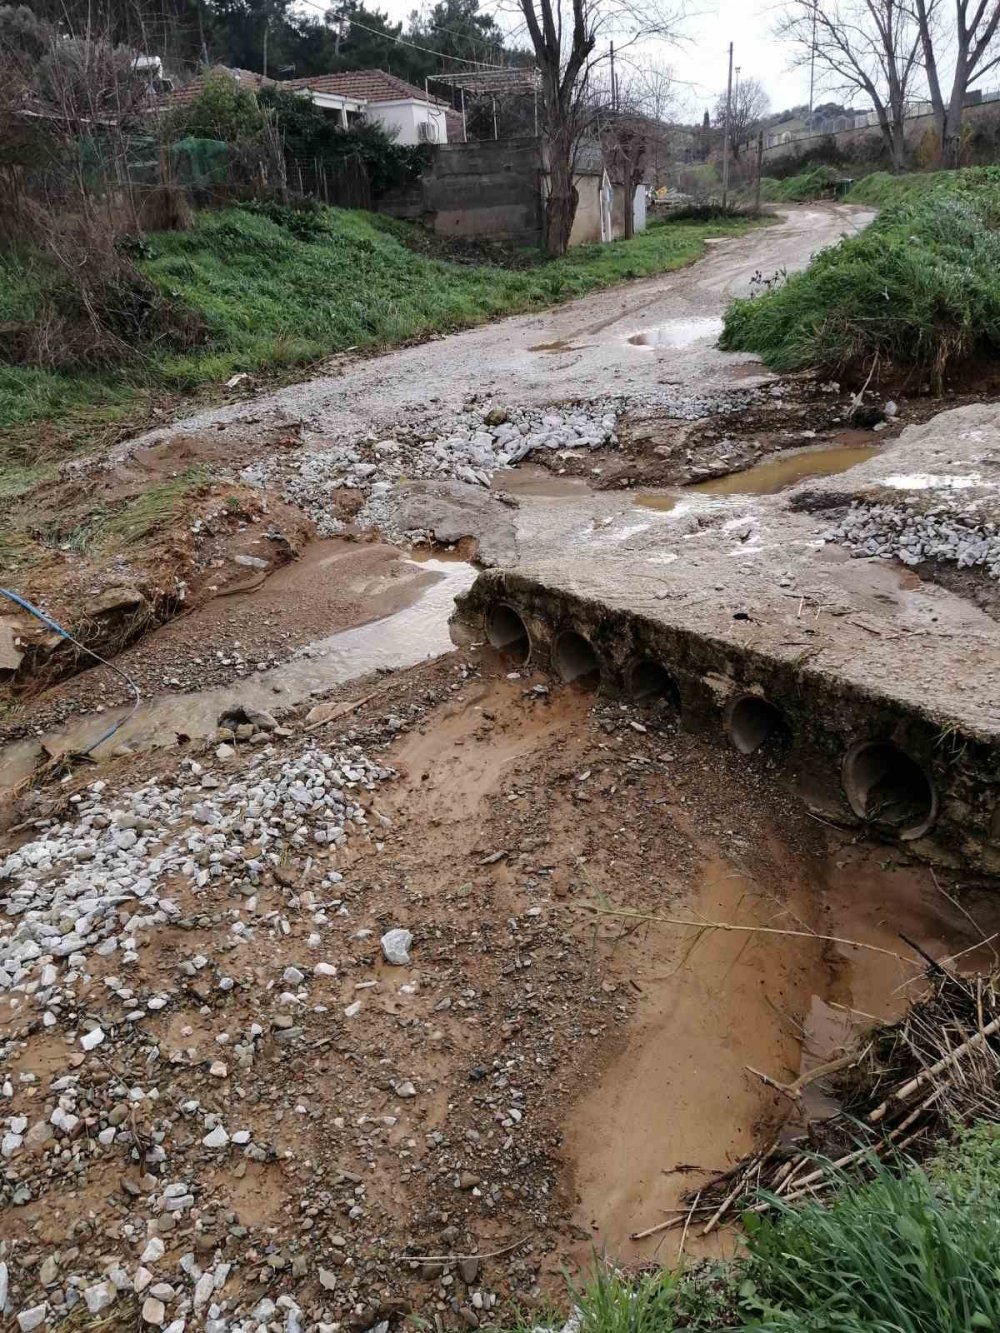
x=200 y=161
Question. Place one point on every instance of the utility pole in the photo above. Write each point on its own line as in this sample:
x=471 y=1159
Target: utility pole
x=264 y=67
x=725 y=141
x=614 y=86
x=812 y=65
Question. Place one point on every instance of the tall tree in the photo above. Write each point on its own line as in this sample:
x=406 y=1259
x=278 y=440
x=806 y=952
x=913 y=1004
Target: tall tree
x=870 y=47
x=971 y=41
x=748 y=105
x=564 y=35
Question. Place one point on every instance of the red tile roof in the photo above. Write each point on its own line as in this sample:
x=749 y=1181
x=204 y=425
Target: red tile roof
x=368 y=85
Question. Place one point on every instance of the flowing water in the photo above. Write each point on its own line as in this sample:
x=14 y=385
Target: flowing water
x=417 y=632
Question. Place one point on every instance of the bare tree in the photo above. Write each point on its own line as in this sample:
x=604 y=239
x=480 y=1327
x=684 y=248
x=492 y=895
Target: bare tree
x=566 y=36
x=972 y=44
x=749 y=104
x=867 y=46
x=634 y=132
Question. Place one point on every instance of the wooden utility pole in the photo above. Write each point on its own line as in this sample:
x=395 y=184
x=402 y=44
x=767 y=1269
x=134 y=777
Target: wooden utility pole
x=264 y=66
x=614 y=86
x=725 y=140
x=760 y=166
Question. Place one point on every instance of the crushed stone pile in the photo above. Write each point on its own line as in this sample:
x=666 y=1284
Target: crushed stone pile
x=913 y=536
x=82 y=901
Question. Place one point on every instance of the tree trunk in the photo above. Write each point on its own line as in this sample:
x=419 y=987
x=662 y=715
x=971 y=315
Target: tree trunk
x=951 y=130
x=560 y=206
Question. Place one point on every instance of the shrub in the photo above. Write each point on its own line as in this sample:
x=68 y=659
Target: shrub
x=919 y=289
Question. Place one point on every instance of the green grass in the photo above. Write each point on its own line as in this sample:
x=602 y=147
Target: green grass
x=912 y=1250
x=813 y=184
x=270 y=298
x=919 y=289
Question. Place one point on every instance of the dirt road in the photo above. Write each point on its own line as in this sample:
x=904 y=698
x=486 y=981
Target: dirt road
x=576 y=351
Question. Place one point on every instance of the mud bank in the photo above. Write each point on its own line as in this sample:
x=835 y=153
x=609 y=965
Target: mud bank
x=369 y=1141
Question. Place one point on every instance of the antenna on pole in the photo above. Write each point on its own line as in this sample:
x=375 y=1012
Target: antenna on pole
x=725 y=141
x=812 y=65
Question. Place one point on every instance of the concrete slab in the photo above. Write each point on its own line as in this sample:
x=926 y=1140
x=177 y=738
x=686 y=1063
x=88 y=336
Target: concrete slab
x=886 y=687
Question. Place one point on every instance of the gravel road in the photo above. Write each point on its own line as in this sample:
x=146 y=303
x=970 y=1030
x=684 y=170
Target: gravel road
x=578 y=351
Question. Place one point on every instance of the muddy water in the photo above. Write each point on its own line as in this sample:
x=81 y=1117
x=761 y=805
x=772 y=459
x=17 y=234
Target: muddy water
x=776 y=474
x=717 y=1004
x=417 y=632
x=677 y=333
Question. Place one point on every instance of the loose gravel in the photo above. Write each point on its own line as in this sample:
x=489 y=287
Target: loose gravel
x=913 y=536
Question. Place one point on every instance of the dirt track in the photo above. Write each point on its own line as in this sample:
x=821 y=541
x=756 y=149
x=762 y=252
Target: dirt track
x=577 y=350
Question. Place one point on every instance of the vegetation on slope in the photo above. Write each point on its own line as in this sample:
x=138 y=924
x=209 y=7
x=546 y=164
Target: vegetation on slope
x=918 y=290
x=271 y=287
x=911 y=1251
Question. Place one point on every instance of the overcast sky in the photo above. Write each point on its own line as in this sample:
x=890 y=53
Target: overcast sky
x=700 y=61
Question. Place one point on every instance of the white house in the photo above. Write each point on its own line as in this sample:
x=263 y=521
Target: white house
x=393 y=102
x=403 y=109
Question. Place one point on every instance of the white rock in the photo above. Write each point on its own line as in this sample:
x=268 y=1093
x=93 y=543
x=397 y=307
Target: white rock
x=33 y=1317
x=153 y=1311
x=99 y=1296
x=396 y=946
x=353 y=1010
x=292 y=976
x=154 y=1251
x=92 y=1038
x=216 y=1138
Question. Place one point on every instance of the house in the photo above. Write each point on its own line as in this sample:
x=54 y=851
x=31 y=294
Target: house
x=404 y=110
x=399 y=106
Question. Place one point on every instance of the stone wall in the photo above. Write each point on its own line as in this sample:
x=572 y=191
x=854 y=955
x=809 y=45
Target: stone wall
x=982 y=118
x=484 y=190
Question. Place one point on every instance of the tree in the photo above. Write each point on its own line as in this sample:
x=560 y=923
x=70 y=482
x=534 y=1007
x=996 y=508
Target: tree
x=749 y=105
x=866 y=46
x=971 y=43
x=564 y=35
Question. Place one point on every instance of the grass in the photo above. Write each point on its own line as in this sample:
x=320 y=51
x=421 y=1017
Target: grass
x=271 y=298
x=912 y=1250
x=918 y=290
x=813 y=184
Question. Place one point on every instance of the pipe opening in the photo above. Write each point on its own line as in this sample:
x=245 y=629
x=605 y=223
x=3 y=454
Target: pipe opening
x=752 y=720
x=650 y=683
x=884 y=786
x=508 y=633
x=574 y=659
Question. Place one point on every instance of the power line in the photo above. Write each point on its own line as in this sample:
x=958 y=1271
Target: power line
x=401 y=41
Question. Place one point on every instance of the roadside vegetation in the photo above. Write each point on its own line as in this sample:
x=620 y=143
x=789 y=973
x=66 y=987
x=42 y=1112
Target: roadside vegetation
x=911 y=1250
x=267 y=287
x=916 y=293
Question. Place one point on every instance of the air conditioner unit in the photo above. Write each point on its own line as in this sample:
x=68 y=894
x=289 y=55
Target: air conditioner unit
x=427 y=132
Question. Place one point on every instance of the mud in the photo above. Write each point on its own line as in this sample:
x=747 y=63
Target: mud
x=381 y=640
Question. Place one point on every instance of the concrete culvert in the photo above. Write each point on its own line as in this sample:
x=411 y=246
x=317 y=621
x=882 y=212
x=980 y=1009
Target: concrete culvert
x=650 y=683
x=885 y=787
x=574 y=659
x=508 y=633
x=751 y=720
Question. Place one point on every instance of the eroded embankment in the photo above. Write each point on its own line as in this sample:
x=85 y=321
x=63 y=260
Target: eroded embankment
x=211 y=1064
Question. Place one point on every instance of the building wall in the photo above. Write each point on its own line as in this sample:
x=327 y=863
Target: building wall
x=491 y=190
x=405 y=116
x=488 y=190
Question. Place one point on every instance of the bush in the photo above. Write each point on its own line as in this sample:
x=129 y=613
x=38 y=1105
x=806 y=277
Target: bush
x=919 y=289
x=222 y=110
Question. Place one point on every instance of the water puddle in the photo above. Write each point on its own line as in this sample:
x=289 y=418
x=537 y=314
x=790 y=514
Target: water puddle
x=678 y=333
x=664 y=501
x=532 y=479
x=778 y=473
x=411 y=635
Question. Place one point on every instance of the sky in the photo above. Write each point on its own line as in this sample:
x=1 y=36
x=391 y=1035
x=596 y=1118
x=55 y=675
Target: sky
x=700 y=60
